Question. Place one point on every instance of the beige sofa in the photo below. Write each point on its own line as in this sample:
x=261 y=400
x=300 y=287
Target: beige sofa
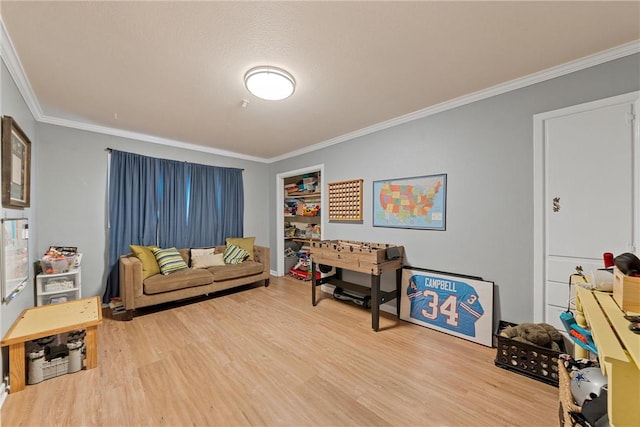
x=136 y=292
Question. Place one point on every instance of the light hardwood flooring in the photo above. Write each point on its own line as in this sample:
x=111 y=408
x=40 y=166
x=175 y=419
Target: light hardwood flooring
x=266 y=356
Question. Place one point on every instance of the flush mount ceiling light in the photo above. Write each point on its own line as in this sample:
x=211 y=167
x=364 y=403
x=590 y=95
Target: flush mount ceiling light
x=269 y=83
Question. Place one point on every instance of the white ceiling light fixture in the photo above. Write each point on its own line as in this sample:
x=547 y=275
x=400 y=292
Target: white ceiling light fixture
x=270 y=83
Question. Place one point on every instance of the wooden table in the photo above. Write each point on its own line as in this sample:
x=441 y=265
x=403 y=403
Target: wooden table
x=52 y=319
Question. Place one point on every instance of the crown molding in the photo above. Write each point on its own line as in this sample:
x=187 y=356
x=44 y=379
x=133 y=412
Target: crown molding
x=146 y=138
x=10 y=57
x=548 y=74
x=8 y=53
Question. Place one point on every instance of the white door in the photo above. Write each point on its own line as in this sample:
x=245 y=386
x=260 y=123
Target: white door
x=588 y=196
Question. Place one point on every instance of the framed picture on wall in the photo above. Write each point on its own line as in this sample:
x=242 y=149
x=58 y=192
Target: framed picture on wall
x=417 y=202
x=456 y=304
x=16 y=165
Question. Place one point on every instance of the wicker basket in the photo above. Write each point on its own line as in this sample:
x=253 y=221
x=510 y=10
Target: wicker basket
x=567 y=405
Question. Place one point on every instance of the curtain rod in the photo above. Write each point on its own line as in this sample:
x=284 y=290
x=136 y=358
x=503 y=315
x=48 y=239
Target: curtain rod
x=109 y=149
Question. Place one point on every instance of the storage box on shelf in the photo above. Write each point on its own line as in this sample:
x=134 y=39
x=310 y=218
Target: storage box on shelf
x=626 y=291
x=533 y=361
x=290 y=262
x=43 y=368
x=52 y=265
x=58 y=287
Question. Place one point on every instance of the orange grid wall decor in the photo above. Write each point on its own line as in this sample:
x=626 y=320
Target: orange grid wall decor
x=345 y=200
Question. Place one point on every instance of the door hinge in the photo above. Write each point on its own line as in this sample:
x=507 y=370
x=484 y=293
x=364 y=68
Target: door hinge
x=630 y=117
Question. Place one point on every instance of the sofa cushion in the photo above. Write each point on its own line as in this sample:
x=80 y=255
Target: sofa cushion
x=202 y=258
x=184 y=253
x=202 y=251
x=169 y=260
x=218 y=259
x=180 y=279
x=245 y=243
x=235 y=271
x=147 y=258
x=234 y=254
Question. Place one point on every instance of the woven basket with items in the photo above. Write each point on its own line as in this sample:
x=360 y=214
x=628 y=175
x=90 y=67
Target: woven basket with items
x=582 y=392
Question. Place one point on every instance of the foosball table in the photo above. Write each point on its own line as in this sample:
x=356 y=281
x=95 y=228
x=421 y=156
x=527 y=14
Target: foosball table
x=362 y=257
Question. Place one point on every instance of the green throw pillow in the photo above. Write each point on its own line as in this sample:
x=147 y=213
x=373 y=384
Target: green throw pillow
x=169 y=260
x=234 y=254
x=150 y=266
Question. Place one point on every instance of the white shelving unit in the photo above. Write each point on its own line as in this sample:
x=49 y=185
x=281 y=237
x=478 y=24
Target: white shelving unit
x=58 y=287
x=307 y=196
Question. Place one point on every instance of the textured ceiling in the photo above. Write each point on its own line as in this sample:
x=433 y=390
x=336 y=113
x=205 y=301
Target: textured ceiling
x=174 y=70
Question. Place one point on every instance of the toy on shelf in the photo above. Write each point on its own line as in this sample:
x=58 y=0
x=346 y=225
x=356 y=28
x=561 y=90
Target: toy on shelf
x=315 y=232
x=578 y=335
x=302 y=269
x=311 y=210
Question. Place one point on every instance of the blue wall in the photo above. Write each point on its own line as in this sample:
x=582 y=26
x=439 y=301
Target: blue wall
x=486 y=149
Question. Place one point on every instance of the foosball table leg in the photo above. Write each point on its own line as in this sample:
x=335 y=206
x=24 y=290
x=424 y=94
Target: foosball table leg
x=313 y=284
x=375 y=302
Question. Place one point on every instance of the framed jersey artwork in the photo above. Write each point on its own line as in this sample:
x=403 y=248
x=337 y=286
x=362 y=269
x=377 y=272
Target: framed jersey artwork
x=456 y=304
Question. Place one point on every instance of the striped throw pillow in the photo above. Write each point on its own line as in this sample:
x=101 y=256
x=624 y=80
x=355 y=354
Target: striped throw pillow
x=169 y=260
x=234 y=254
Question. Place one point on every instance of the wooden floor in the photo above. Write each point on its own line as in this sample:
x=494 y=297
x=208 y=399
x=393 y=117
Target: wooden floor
x=266 y=356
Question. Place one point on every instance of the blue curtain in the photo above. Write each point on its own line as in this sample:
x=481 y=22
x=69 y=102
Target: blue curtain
x=229 y=203
x=133 y=205
x=172 y=215
x=203 y=213
x=169 y=203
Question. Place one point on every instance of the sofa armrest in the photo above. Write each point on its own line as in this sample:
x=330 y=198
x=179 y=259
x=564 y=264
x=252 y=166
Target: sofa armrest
x=130 y=280
x=261 y=255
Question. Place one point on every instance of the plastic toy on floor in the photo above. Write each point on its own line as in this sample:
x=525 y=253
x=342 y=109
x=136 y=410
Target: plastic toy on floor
x=302 y=269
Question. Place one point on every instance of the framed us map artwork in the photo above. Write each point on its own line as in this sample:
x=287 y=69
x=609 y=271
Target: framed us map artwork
x=455 y=304
x=417 y=202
